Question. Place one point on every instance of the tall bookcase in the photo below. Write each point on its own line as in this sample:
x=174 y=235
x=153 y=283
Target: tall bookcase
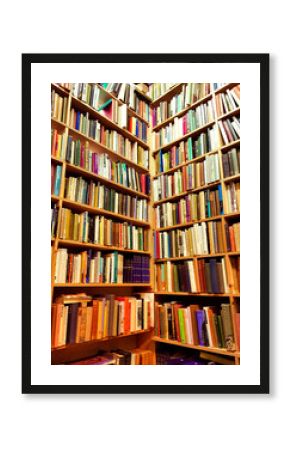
x=137 y=339
x=228 y=188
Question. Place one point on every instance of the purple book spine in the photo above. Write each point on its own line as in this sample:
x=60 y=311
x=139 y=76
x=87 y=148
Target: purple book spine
x=200 y=325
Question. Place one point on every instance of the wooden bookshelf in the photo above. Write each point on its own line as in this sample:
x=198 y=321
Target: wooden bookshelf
x=231 y=296
x=144 y=338
x=218 y=351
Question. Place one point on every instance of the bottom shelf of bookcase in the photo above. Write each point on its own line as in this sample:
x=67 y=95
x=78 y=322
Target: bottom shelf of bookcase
x=74 y=352
x=219 y=351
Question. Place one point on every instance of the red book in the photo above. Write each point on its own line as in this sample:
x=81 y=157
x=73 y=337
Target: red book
x=95 y=319
x=176 y=321
x=127 y=315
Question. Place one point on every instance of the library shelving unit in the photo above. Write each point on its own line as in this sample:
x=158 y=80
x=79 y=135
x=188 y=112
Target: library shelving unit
x=67 y=353
x=229 y=217
x=227 y=184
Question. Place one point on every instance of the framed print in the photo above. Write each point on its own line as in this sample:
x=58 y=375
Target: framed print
x=154 y=255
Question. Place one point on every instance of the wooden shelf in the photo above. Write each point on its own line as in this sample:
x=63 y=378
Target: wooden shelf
x=56 y=160
x=185 y=193
x=189 y=224
x=75 y=352
x=105 y=339
x=84 y=107
x=101 y=285
x=235 y=112
x=193 y=133
x=219 y=351
x=184 y=258
x=57 y=124
x=98 y=146
x=82 y=207
x=225 y=87
x=183 y=111
x=192 y=294
x=60 y=89
x=55 y=198
x=173 y=90
x=120 y=187
x=70 y=243
x=230 y=145
x=232 y=178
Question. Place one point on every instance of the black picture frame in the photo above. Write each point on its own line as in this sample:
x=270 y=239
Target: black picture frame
x=263 y=61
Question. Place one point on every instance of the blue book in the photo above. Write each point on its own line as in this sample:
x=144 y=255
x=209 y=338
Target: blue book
x=57 y=180
x=213 y=276
x=200 y=317
x=220 y=199
x=78 y=120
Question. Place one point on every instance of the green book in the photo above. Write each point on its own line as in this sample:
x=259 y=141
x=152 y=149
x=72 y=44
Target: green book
x=181 y=325
x=104 y=105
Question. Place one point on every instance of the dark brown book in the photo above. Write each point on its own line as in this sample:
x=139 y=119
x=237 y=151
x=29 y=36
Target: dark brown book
x=226 y=166
x=220 y=279
x=193 y=309
x=227 y=326
x=207 y=278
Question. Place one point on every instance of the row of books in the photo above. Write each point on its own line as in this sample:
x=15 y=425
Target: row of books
x=66 y=148
x=110 y=108
x=196 y=206
x=187 y=150
x=56 y=172
x=208 y=326
x=192 y=120
x=101 y=164
x=197 y=276
x=191 y=176
x=81 y=318
x=231 y=162
x=228 y=101
x=189 y=94
x=100 y=196
x=91 y=94
x=158 y=89
x=131 y=357
x=65 y=85
x=230 y=129
x=99 y=230
x=129 y=95
x=232 y=232
x=59 y=106
x=233 y=197
x=97 y=267
x=200 y=239
x=137 y=127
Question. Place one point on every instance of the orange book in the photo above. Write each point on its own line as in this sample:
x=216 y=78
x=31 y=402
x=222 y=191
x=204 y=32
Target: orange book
x=193 y=309
x=232 y=238
x=59 y=313
x=127 y=311
x=95 y=319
